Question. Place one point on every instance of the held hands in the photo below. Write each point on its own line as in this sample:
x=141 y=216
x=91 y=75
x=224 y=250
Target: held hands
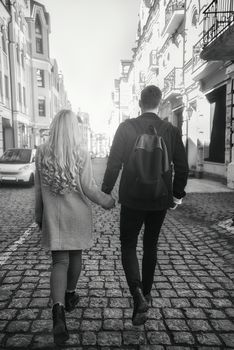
x=108 y=202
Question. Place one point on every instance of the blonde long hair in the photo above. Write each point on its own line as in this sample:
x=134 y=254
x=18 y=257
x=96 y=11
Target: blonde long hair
x=59 y=159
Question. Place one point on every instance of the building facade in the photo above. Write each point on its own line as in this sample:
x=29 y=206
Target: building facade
x=6 y=117
x=32 y=86
x=172 y=52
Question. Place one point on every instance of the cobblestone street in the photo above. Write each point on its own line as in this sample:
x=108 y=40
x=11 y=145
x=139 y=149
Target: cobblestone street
x=193 y=294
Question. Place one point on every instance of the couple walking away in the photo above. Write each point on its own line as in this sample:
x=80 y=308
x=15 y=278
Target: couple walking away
x=153 y=179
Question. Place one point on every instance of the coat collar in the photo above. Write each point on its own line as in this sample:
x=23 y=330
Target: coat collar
x=150 y=115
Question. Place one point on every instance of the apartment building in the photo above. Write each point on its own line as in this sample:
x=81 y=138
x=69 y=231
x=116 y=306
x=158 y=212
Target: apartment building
x=31 y=85
x=6 y=118
x=180 y=48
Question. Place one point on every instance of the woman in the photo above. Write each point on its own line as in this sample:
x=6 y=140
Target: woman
x=63 y=184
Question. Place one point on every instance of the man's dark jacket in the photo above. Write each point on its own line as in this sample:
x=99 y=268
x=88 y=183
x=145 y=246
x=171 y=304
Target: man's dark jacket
x=123 y=142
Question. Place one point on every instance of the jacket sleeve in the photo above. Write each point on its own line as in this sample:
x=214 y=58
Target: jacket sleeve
x=38 y=194
x=115 y=160
x=181 y=168
x=88 y=184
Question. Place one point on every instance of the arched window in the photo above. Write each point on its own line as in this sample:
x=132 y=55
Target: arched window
x=194 y=18
x=38 y=34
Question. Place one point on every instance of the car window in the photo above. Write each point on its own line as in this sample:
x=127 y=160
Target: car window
x=16 y=156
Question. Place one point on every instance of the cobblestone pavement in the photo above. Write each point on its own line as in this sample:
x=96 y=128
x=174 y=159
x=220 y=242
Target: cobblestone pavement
x=193 y=294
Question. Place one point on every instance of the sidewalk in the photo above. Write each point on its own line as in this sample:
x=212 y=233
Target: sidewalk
x=206 y=186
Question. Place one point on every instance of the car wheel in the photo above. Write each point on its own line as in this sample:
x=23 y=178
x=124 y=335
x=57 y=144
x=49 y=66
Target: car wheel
x=31 y=180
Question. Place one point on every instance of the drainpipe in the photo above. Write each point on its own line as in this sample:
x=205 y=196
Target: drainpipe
x=10 y=72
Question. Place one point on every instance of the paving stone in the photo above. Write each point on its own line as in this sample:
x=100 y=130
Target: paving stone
x=177 y=325
x=93 y=313
x=208 y=339
x=3 y=325
x=183 y=338
x=113 y=324
x=41 y=326
x=39 y=302
x=221 y=303
x=134 y=337
x=172 y=313
x=228 y=339
x=89 y=338
x=113 y=313
x=90 y=325
x=44 y=341
x=18 y=326
x=19 y=341
x=73 y=324
x=119 y=302
x=109 y=339
x=158 y=338
x=154 y=325
x=161 y=302
x=199 y=325
x=223 y=325
x=7 y=314
x=19 y=303
x=151 y=347
x=195 y=313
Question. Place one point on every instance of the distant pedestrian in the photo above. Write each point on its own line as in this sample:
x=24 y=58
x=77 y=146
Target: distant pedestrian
x=63 y=184
x=143 y=203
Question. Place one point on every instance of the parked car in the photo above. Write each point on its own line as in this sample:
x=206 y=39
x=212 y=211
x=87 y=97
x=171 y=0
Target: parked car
x=18 y=165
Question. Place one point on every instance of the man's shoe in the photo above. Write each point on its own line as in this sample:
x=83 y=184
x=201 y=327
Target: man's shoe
x=59 y=324
x=140 y=308
x=71 y=300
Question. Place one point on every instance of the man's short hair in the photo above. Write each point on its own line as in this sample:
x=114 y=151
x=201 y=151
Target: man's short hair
x=150 y=97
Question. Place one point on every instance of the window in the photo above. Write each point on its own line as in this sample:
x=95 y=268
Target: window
x=24 y=96
x=38 y=33
x=1 y=89
x=41 y=106
x=40 y=78
x=6 y=86
x=3 y=43
x=20 y=94
x=22 y=58
x=18 y=53
x=195 y=18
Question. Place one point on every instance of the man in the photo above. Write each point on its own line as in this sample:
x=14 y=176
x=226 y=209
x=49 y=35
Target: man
x=136 y=212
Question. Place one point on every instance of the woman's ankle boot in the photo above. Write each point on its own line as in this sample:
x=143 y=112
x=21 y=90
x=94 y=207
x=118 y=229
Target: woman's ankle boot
x=59 y=324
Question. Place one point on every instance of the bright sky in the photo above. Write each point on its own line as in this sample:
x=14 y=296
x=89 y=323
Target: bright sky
x=88 y=39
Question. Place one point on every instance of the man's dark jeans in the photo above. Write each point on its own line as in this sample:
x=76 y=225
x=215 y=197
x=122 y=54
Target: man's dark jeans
x=131 y=222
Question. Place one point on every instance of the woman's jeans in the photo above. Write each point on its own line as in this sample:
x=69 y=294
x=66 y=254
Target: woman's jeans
x=131 y=222
x=66 y=268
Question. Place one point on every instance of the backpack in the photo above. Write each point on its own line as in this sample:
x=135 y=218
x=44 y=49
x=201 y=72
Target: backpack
x=147 y=164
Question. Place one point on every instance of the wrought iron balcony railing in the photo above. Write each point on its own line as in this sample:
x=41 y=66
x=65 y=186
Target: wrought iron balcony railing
x=172 y=7
x=173 y=82
x=219 y=16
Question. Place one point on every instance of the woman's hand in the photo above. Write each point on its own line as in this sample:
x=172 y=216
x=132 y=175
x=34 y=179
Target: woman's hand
x=108 y=202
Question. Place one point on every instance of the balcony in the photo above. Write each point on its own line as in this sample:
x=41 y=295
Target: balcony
x=173 y=83
x=174 y=15
x=218 y=31
x=200 y=67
